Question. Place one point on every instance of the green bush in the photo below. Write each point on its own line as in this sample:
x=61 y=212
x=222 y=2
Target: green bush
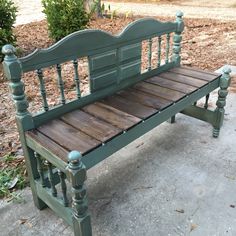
x=7 y=19
x=65 y=17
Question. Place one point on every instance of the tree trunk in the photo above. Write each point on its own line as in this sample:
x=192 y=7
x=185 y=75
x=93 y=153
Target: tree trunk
x=90 y=4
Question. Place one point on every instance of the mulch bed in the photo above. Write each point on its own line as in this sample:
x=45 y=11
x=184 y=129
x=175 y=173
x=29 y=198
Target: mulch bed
x=207 y=44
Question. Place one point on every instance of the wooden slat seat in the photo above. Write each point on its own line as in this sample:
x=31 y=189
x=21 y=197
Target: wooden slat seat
x=95 y=124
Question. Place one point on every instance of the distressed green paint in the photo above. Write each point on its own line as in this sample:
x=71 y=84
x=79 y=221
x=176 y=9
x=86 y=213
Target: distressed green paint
x=177 y=38
x=110 y=68
x=90 y=42
x=149 y=54
x=200 y=114
x=159 y=52
x=42 y=89
x=130 y=52
x=76 y=78
x=167 y=48
x=24 y=121
x=77 y=176
x=206 y=101
x=63 y=187
x=60 y=84
x=51 y=180
x=221 y=102
x=40 y=169
x=55 y=203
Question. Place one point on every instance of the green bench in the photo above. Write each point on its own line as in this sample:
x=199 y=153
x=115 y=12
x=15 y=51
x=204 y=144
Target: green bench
x=124 y=102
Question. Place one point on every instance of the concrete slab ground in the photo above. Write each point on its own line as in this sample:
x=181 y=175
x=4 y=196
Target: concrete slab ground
x=175 y=180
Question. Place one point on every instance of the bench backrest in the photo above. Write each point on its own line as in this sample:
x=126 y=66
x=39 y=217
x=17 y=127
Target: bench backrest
x=114 y=62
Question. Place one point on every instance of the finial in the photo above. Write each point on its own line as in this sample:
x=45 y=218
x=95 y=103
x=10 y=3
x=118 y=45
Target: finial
x=8 y=50
x=179 y=14
x=226 y=70
x=74 y=158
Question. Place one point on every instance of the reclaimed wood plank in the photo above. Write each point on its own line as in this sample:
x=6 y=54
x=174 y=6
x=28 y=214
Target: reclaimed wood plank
x=129 y=107
x=166 y=93
x=183 y=79
x=112 y=115
x=144 y=98
x=198 y=69
x=49 y=144
x=68 y=137
x=91 y=125
x=171 y=84
x=193 y=73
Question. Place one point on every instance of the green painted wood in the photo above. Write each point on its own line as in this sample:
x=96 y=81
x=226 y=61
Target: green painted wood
x=107 y=69
x=60 y=84
x=225 y=80
x=130 y=69
x=55 y=203
x=24 y=121
x=102 y=152
x=40 y=169
x=103 y=80
x=42 y=89
x=159 y=52
x=130 y=52
x=177 y=38
x=76 y=78
x=51 y=180
x=77 y=173
x=91 y=42
x=149 y=54
x=167 y=48
x=200 y=114
x=63 y=188
x=12 y=71
x=206 y=101
x=102 y=60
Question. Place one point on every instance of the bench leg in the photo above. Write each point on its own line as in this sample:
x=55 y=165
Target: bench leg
x=172 y=119
x=81 y=217
x=31 y=165
x=221 y=102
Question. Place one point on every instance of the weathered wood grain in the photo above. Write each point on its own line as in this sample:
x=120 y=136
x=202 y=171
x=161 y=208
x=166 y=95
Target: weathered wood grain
x=165 y=93
x=68 y=137
x=184 y=88
x=112 y=115
x=91 y=125
x=129 y=106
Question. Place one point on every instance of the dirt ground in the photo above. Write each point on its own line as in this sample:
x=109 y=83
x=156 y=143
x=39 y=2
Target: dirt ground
x=199 y=3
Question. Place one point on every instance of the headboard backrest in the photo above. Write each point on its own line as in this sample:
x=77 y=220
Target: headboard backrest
x=114 y=62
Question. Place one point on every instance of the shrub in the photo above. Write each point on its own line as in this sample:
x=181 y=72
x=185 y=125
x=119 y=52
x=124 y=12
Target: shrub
x=7 y=19
x=65 y=17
